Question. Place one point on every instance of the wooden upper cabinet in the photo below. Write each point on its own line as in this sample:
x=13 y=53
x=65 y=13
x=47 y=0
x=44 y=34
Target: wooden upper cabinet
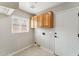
x=42 y=21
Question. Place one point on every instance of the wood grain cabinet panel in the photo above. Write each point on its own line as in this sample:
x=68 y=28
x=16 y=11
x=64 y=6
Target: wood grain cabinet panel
x=48 y=20
x=40 y=21
x=45 y=20
x=51 y=19
x=34 y=20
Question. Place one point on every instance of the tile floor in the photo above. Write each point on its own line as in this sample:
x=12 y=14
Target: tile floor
x=33 y=51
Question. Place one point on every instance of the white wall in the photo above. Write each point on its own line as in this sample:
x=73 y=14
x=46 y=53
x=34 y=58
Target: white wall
x=61 y=7
x=47 y=40
x=10 y=42
x=65 y=5
x=14 y=5
x=49 y=37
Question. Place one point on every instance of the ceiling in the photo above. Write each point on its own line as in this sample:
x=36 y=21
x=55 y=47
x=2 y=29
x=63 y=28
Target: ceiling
x=38 y=6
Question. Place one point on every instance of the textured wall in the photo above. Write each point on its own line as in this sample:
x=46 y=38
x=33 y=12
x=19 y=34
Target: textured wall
x=10 y=42
x=46 y=40
x=14 y=5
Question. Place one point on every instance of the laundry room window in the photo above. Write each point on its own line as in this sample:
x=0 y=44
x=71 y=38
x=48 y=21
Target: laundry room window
x=20 y=24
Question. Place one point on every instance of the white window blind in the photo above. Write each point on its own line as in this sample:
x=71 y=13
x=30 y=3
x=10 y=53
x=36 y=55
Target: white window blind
x=20 y=24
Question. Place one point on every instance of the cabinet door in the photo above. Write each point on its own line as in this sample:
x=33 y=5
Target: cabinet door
x=51 y=19
x=41 y=21
x=67 y=42
x=34 y=21
x=48 y=20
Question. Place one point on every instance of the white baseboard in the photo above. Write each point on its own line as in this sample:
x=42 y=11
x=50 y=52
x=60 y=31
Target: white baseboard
x=20 y=50
x=48 y=50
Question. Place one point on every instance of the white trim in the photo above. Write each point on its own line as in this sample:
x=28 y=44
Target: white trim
x=47 y=50
x=20 y=50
